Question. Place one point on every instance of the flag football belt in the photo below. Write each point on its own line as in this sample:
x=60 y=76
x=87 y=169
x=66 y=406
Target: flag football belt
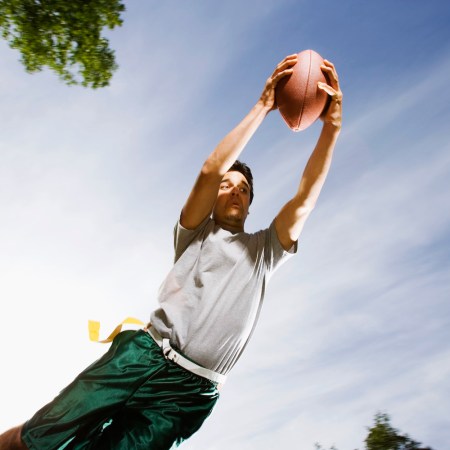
x=168 y=352
x=172 y=355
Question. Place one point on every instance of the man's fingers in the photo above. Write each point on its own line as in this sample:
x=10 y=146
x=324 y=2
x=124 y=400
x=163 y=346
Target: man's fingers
x=335 y=95
x=328 y=63
x=287 y=62
x=282 y=74
x=289 y=58
x=327 y=88
x=329 y=69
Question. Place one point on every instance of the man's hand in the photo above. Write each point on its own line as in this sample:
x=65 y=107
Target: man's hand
x=283 y=69
x=291 y=219
x=333 y=114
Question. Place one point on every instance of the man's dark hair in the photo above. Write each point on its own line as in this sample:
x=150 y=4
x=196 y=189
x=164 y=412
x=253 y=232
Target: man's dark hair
x=241 y=167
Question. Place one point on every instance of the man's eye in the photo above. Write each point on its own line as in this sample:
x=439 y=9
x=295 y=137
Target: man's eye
x=244 y=190
x=224 y=186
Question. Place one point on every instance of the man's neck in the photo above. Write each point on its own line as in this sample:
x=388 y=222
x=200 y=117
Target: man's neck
x=231 y=227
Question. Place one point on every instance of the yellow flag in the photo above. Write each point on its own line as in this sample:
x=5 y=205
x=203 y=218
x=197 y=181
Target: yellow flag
x=94 y=329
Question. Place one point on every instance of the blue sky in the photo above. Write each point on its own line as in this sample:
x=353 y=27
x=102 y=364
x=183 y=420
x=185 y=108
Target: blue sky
x=92 y=182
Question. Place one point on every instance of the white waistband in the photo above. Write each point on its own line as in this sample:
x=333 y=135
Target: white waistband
x=172 y=355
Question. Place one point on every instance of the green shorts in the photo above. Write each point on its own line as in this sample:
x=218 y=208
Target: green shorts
x=131 y=398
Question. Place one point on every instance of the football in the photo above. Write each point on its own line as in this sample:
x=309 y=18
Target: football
x=298 y=98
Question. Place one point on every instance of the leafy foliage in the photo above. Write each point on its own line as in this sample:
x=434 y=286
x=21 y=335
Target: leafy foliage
x=382 y=436
x=64 y=35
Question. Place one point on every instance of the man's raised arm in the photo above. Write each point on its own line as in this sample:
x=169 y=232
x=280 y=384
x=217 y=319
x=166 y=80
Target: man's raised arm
x=200 y=202
x=291 y=219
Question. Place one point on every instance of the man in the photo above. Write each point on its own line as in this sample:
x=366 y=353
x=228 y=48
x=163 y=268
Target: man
x=155 y=387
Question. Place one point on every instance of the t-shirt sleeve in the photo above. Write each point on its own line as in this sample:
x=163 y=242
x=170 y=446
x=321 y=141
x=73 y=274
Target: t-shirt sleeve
x=182 y=237
x=275 y=254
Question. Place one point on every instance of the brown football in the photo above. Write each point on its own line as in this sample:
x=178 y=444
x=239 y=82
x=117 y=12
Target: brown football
x=298 y=98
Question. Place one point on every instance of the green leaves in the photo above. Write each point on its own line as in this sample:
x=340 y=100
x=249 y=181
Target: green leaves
x=64 y=36
x=382 y=436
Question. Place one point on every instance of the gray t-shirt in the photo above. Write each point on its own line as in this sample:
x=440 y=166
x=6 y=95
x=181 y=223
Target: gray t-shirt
x=210 y=300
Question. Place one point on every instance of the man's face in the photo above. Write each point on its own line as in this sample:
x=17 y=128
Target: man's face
x=233 y=200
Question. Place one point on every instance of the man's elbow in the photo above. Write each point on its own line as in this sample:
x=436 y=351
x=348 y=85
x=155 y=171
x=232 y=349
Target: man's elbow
x=303 y=208
x=208 y=168
x=213 y=168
